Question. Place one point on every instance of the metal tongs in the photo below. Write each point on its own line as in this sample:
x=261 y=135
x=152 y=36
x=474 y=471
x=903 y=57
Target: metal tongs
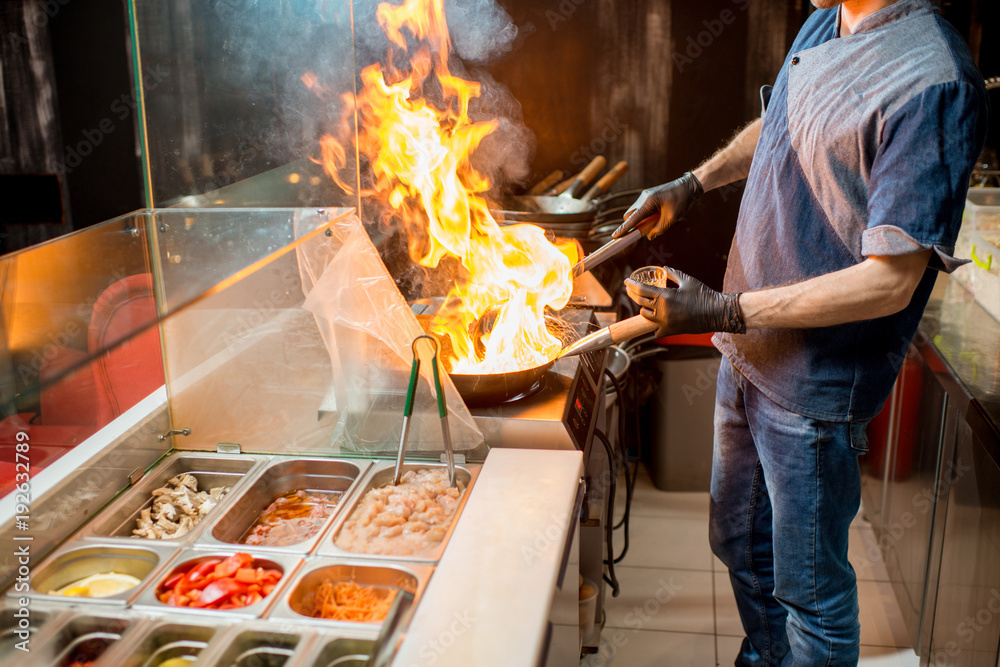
x=614 y=248
x=408 y=411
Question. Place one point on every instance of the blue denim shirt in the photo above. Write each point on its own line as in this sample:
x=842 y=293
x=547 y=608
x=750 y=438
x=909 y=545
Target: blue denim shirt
x=866 y=148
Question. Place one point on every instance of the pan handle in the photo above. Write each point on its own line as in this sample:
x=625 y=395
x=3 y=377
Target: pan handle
x=606 y=181
x=561 y=187
x=547 y=182
x=588 y=174
x=631 y=328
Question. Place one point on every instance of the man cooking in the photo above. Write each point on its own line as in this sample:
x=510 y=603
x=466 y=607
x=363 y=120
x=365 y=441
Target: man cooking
x=857 y=175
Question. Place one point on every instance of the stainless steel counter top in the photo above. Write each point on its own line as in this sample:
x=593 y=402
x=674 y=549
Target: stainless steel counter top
x=965 y=340
x=489 y=600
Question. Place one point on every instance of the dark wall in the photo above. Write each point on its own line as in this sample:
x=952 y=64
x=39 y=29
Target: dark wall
x=657 y=83
x=68 y=154
x=664 y=84
x=90 y=49
x=34 y=197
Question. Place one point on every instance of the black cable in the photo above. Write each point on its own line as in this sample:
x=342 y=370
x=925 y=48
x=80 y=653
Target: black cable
x=629 y=478
x=609 y=531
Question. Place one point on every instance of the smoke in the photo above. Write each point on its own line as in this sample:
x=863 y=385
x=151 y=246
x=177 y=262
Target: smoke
x=480 y=31
x=505 y=155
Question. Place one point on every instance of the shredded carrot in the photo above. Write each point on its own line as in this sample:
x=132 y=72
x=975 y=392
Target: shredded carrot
x=347 y=601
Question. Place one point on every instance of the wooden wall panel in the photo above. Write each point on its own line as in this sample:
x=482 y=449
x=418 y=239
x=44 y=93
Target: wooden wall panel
x=30 y=138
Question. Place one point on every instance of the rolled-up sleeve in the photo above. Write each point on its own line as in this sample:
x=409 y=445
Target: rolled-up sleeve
x=920 y=175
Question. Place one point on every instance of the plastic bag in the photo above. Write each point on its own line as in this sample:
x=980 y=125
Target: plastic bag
x=368 y=330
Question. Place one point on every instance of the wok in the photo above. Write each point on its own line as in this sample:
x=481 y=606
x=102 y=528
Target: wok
x=485 y=390
x=565 y=208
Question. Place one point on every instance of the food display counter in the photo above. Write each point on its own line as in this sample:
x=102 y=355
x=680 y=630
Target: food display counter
x=200 y=396
x=218 y=526
x=480 y=585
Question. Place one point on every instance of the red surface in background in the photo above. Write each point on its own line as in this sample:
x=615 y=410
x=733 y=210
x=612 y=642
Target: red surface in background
x=76 y=406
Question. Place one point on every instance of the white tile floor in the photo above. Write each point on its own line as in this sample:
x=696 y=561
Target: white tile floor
x=676 y=607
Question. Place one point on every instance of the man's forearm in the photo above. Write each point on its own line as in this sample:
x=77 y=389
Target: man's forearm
x=731 y=163
x=877 y=287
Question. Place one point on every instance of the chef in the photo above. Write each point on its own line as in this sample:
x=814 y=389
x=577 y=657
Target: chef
x=856 y=180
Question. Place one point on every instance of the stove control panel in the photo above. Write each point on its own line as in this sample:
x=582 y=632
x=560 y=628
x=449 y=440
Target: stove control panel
x=584 y=396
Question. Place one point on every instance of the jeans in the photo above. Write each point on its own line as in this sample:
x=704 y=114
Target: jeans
x=785 y=489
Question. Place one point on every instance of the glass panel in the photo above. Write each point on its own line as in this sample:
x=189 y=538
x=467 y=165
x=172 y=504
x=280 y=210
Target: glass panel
x=78 y=342
x=224 y=99
x=306 y=352
x=201 y=251
x=966 y=622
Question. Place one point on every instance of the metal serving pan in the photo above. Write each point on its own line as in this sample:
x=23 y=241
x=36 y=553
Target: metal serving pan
x=296 y=601
x=81 y=636
x=380 y=475
x=341 y=652
x=189 y=558
x=81 y=559
x=38 y=619
x=279 y=477
x=248 y=645
x=211 y=470
x=167 y=639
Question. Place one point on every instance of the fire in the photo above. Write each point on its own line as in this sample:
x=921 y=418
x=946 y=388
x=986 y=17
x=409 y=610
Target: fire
x=419 y=154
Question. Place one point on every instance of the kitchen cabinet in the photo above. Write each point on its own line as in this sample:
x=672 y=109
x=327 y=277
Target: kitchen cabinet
x=966 y=623
x=931 y=483
x=923 y=435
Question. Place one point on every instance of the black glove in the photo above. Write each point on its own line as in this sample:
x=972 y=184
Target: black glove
x=671 y=201
x=689 y=308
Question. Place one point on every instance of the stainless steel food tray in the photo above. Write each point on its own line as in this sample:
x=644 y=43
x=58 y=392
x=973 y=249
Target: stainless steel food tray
x=288 y=563
x=79 y=559
x=211 y=470
x=279 y=475
x=38 y=619
x=295 y=601
x=331 y=651
x=258 y=644
x=379 y=475
x=81 y=633
x=163 y=638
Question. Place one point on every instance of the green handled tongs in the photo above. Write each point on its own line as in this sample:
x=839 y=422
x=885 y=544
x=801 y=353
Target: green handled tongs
x=408 y=411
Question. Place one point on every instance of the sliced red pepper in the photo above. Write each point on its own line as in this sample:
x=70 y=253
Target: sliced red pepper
x=172 y=581
x=217 y=591
x=202 y=569
x=246 y=575
x=231 y=565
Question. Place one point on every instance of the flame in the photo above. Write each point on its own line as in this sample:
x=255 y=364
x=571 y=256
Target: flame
x=419 y=154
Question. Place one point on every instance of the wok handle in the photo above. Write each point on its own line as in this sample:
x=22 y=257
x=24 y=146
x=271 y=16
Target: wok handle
x=606 y=181
x=588 y=174
x=562 y=186
x=631 y=328
x=547 y=182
